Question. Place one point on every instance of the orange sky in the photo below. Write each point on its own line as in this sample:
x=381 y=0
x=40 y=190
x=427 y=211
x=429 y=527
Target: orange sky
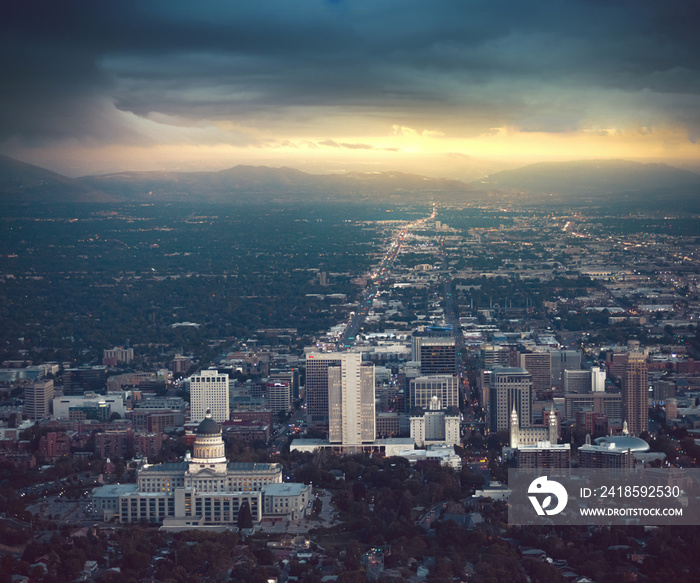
x=450 y=89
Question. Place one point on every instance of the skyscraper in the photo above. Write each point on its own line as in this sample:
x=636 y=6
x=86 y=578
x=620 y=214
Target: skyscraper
x=351 y=401
x=279 y=396
x=209 y=390
x=436 y=355
x=317 y=385
x=37 y=399
x=510 y=388
x=539 y=365
x=560 y=361
x=635 y=393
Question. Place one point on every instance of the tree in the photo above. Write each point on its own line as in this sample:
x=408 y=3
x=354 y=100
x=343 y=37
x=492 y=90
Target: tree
x=245 y=518
x=352 y=557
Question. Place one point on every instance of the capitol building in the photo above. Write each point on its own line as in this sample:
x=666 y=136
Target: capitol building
x=203 y=490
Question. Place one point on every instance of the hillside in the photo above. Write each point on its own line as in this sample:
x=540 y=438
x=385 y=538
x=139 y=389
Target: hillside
x=26 y=183
x=613 y=184
x=260 y=183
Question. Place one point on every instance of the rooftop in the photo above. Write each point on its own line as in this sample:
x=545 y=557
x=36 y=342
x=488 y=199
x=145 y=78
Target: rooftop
x=113 y=490
x=623 y=442
x=288 y=489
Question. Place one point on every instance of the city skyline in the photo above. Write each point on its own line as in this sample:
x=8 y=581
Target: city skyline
x=456 y=90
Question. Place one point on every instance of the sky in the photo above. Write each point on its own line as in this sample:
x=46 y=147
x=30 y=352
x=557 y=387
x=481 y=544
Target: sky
x=445 y=88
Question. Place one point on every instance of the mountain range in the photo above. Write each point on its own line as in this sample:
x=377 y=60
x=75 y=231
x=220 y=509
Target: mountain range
x=611 y=184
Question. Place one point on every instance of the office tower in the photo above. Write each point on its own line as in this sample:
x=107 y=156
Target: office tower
x=423 y=389
x=37 y=399
x=435 y=355
x=351 y=414
x=664 y=389
x=538 y=364
x=77 y=381
x=577 y=381
x=635 y=393
x=560 y=361
x=607 y=404
x=509 y=388
x=290 y=377
x=279 y=396
x=209 y=391
x=598 y=377
x=584 y=381
x=483 y=382
x=495 y=355
x=317 y=385
x=616 y=363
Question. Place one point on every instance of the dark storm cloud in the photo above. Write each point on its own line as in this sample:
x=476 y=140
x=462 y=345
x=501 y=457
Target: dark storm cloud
x=77 y=68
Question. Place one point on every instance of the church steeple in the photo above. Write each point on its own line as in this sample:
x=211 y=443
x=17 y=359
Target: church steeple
x=553 y=428
x=514 y=429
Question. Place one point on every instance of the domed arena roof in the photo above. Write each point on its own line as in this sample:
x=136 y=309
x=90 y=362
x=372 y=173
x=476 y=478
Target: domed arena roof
x=208 y=426
x=623 y=442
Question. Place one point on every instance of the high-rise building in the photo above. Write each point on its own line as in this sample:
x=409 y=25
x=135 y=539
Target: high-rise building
x=77 y=381
x=279 y=396
x=539 y=365
x=598 y=377
x=209 y=391
x=509 y=388
x=287 y=376
x=616 y=363
x=317 y=385
x=351 y=411
x=635 y=393
x=435 y=355
x=495 y=355
x=608 y=404
x=560 y=361
x=423 y=389
x=584 y=381
x=37 y=399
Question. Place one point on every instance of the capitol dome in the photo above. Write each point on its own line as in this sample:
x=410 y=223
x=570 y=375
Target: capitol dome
x=209 y=447
x=208 y=426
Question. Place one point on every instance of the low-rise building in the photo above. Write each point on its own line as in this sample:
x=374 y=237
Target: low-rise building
x=289 y=500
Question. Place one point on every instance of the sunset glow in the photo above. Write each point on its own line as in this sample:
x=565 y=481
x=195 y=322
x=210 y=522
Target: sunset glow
x=448 y=90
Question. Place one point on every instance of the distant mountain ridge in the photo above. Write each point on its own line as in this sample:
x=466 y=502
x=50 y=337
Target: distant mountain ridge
x=607 y=184
x=611 y=183
x=243 y=182
x=25 y=183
